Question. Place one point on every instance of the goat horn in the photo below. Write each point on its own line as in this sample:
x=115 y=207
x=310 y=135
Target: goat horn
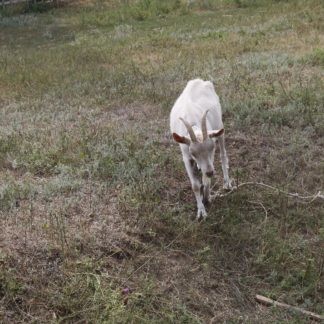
x=204 y=125
x=190 y=130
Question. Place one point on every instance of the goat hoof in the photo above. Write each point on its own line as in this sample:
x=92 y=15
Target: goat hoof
x=201 y=215
x=228 y=185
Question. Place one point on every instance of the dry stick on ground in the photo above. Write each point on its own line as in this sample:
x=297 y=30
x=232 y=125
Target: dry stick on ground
x=295 y=195
x=269 y=302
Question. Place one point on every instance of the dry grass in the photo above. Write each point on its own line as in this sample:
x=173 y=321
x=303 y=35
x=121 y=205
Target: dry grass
x=95 y=206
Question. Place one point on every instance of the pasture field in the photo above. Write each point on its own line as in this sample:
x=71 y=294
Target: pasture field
x=96 y=210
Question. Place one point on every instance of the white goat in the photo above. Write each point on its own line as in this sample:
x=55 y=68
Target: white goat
x=196 y=123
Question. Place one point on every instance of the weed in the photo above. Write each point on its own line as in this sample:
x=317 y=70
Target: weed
x=316 y=58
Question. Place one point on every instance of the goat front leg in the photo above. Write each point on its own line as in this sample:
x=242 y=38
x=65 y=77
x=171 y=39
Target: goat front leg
x=206 y=189
x=196 y=187
x=224 y=159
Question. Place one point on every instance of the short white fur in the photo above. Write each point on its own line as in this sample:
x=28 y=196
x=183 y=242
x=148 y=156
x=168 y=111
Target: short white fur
x=196 y=124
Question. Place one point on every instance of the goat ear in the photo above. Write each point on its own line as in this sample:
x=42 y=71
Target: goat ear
x=181 y=139
x=215 y=133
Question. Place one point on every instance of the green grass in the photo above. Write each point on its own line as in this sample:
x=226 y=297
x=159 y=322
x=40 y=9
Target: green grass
x=94 y=197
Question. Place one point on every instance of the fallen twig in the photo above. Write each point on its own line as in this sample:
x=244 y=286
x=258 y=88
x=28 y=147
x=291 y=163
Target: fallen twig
x=318 y=195
x=270 y=302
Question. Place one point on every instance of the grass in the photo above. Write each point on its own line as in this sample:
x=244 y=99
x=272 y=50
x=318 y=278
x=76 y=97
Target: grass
x=95 y=205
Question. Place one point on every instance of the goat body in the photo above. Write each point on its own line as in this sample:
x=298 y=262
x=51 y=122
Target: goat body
x=196 y=124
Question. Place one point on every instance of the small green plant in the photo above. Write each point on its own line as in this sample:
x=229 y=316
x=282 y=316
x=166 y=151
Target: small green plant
x=316 y=58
